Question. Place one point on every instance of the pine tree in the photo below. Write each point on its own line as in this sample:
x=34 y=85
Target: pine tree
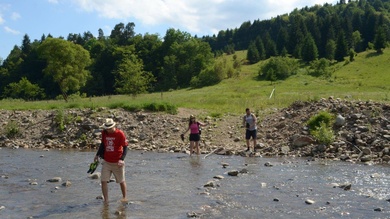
x=309 y=49
x=341 y=47
x=380 y=39
x=252 y=55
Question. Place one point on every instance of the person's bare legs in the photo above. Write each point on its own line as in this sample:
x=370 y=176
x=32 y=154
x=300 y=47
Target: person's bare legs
x=254 y=144
x=247 y=144
x=197 y=147
x=124 y=191
x=191 y=147
x=105 y=191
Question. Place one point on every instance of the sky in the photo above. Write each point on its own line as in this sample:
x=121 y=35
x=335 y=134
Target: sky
x=59 y=18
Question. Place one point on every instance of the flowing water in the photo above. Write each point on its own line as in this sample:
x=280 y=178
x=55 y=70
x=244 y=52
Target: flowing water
x=171 y=185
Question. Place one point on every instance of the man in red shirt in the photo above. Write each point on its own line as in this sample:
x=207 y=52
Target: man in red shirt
x=113 y=149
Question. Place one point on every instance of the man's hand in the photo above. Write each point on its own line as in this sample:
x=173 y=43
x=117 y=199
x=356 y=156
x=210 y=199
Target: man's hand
x=121 y=163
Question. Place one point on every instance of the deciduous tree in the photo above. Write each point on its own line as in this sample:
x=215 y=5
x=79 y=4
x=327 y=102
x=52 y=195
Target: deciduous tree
x=66 y=63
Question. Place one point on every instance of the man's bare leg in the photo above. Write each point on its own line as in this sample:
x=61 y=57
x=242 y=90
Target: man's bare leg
x=124 y=191
x=105 y=191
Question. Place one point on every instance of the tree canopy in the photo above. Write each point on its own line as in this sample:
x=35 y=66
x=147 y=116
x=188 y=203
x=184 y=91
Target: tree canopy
x=124 y=62
x=66 y=63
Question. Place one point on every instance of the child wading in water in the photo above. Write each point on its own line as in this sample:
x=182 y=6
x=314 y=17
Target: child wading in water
x=195 y=132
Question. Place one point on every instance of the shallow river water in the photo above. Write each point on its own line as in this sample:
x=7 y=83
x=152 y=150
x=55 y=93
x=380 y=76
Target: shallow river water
x=171 y=185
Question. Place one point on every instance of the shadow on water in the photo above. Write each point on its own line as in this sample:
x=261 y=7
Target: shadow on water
x=169 y=185
x=60 y=210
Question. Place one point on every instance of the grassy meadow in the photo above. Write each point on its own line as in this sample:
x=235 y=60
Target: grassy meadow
x=366 y=78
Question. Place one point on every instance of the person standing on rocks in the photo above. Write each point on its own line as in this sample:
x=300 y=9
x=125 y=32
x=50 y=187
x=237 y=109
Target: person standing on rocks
x=249 y=122
x=112 y=150
x=195 y=131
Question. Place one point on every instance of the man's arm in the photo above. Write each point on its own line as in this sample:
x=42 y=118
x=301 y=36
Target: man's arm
x=124 y=153
x=100 y=152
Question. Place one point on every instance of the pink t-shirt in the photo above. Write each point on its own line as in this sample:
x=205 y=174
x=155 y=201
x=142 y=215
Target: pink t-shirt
x=194 y=127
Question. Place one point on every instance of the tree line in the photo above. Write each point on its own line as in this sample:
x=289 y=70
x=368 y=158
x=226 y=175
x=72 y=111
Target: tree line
x=327 y=31
x=128 y=63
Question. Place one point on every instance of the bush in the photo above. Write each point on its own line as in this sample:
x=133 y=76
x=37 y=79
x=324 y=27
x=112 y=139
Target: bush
x=12 y=129
x=62 y=119
x=209 y=76
x=132 y=108
x=278 y=68
x=323 y=117
x=324 y=134
x=320 y=68
x=161 y=107
x=24 y=89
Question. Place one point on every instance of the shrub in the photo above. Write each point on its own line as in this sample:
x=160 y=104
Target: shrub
x=322 y=117
x=132 y=108
x=320 y=68
x=323 y=134
x=12 y=129
x=161 y=107
x=62 y=119
x=24 y=89
x=278 y=68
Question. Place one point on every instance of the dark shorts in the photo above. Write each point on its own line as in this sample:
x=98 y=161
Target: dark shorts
x=250 y=134
x=194 y=137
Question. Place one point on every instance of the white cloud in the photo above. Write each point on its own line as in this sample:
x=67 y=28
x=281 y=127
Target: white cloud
x=53 y=1
x=15 y=16
x=12 y=31
x=196 y=16
x=1 y=19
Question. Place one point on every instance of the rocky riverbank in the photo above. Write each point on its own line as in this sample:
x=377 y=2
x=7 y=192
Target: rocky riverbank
x=362 y=131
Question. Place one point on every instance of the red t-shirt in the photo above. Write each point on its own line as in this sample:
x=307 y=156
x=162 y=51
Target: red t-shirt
x=113 y=145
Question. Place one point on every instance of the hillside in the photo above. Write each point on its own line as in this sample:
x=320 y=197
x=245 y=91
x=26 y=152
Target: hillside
x=366 y=78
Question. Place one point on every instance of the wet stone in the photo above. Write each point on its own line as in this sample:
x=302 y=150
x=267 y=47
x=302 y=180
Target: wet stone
x=233 y=173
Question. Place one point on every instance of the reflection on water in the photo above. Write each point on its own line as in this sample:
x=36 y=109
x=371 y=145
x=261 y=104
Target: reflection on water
x=119 y=213
x=195 y=162
x=168 y=185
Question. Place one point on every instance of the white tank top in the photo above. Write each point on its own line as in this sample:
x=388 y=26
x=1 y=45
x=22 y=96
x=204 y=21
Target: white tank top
x=251 y=121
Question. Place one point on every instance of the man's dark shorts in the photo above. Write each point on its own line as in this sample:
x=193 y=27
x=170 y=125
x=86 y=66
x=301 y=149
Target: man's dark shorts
x=194 y=137
x=251 y=133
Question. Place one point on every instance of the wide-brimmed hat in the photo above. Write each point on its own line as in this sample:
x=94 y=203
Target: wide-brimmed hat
x=108 y=124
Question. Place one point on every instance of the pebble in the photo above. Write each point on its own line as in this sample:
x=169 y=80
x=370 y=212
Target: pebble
x=233 y=173
x=218 y=177
x=309 y=201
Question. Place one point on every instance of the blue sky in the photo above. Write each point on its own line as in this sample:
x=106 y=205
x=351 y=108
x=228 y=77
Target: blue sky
x=200 y=17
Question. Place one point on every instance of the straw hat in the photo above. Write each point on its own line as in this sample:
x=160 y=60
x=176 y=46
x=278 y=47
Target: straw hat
x=108 y=124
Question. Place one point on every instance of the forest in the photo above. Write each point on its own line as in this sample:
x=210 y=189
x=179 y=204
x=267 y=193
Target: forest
x=125 y=62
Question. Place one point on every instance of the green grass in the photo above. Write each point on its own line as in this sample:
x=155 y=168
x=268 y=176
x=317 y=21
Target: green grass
x=367 y=78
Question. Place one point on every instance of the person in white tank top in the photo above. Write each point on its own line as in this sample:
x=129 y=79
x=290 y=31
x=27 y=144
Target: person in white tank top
x=249 y=122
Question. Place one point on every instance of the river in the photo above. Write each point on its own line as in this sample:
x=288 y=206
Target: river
x=171 y=185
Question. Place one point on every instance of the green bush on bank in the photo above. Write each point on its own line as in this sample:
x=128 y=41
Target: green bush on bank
x=324 y=134
x=320 y=126
x=12 y=129
x=322 y=117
